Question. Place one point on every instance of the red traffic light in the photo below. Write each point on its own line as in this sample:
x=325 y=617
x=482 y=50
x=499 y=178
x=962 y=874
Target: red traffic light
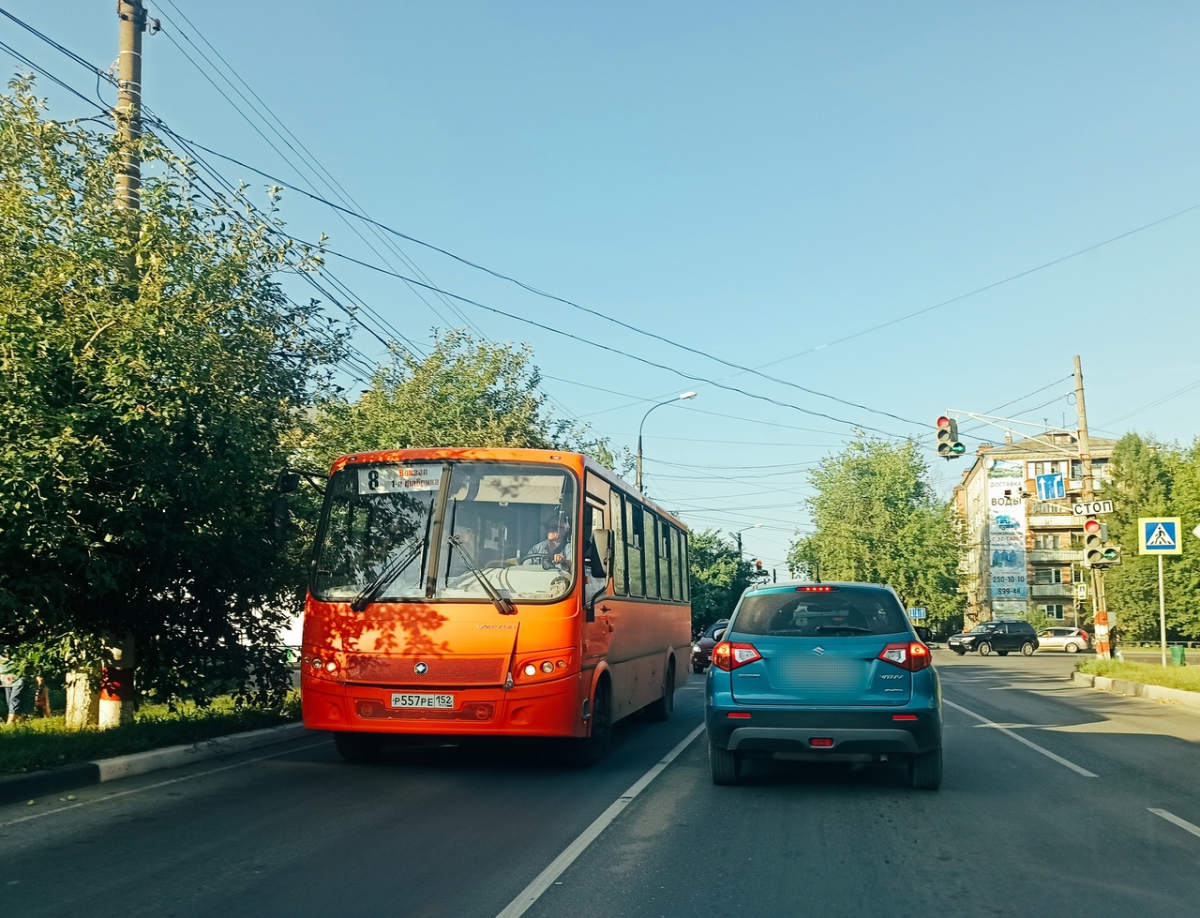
x=1092 y=526
x=943 y=422
x=758 y=564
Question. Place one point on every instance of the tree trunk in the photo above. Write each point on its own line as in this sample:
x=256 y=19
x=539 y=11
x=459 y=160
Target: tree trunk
x=83 y=701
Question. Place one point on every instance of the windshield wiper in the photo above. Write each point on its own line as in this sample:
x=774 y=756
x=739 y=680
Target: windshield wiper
x=854 y=628
x=391 y=571
x=503 y=605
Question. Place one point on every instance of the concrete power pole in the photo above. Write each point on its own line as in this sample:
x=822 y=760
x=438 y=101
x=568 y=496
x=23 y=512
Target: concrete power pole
x=117 y=660
x=129 y=102
x=1102 y=620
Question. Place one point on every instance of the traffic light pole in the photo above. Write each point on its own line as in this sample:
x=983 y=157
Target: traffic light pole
x=1103 y=622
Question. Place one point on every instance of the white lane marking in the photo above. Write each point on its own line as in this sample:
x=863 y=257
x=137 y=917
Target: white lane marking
x=138 y=790
x=1020 y=739
x=1182 y=823
x=544 y=880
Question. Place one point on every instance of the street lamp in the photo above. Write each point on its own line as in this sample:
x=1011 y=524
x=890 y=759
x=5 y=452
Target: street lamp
x=646 y=415
x=738 y=535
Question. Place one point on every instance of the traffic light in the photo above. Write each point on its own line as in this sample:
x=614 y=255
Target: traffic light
x=947 y=438
x=1112 y=555
x=1095 y=534
x=757 y=566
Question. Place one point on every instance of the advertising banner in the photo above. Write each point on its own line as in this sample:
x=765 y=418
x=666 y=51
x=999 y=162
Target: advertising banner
x=1006 y=531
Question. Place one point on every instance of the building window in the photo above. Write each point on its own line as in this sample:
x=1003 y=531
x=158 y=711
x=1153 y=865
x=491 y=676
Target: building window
x=1054 y=610
x=1048 y=575
x=1047 y=541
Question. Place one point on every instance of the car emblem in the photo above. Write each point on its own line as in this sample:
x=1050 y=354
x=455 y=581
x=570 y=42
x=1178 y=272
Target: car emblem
x=819 y=651
x=421 y=669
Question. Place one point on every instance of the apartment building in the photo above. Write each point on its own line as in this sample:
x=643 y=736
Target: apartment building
x=1023 y=556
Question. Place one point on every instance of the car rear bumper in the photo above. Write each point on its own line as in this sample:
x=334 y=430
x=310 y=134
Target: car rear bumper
x=851 y=732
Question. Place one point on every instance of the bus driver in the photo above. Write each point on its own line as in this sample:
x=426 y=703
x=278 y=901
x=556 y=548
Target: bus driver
x=555 y=549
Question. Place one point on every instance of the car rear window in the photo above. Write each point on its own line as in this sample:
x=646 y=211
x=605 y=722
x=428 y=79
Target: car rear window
x=846 y=612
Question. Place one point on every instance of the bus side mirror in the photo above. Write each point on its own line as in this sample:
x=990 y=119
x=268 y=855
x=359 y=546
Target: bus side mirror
x=602 y=539
x=287 y=482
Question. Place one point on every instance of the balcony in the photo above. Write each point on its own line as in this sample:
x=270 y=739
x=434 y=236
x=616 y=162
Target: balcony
x=1056 y=521
x=1052 y=590
x=1066 y=555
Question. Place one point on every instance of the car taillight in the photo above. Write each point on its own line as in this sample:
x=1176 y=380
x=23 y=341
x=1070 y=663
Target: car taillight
x=912 y=655
x=729 y=656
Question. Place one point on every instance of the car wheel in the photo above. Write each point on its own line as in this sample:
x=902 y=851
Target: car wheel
x=358 y=748
x=697 y=669
x=1072 y=648
x=984 y=649
x=724 y=765
x=588 y=750
x=660 y=710
x=1027 y=649
x=925 y=770
x=959 y=651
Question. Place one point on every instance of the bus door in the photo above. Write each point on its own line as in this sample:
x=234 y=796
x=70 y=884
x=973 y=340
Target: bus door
x=599 y=619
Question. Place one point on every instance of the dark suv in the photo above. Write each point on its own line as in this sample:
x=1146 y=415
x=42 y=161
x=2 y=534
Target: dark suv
x=998 y=636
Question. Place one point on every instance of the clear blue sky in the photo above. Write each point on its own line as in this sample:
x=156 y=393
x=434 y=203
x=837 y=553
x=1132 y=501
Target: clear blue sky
x=753 y=180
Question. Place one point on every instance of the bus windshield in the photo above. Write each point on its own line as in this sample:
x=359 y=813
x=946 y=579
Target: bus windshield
x=512 y=524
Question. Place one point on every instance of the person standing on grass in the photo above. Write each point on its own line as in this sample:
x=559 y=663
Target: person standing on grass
x=14 y=687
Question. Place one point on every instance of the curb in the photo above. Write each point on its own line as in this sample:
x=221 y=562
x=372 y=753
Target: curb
x=15 y=788
x=1137 y=689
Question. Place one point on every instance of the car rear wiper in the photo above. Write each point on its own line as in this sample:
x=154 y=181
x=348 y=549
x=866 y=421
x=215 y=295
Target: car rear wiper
x=503 y=605
x=855 y=628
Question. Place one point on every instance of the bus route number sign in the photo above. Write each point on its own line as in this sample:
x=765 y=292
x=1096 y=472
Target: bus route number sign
x=388 y=479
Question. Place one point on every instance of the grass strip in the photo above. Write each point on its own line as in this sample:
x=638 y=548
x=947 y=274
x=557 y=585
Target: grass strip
x=46 y=742
x=1176 y=677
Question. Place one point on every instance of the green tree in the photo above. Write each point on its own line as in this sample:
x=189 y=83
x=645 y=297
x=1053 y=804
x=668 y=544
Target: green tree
x=877 y=520
x=149 y=367
x=464 y=393
x=718 y=577
x=1154 y=479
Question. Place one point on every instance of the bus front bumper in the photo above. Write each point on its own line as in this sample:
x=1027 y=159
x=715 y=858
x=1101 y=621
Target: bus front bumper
x=553 y=708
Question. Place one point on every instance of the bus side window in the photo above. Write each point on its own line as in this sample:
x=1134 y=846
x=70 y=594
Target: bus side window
x=633 y=546
x=620 y=588
x=666 y=578
x=651 y=553
x=678 y=565
x=668 y=559
x=593 y=520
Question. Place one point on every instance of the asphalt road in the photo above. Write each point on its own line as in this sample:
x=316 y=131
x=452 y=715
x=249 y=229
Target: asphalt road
x=1065 y=826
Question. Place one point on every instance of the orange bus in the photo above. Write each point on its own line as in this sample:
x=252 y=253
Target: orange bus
x=490 y=592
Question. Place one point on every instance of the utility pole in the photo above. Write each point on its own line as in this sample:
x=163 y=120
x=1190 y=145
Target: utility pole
x=129 y=102
x=1100 y=615
x=117 y=656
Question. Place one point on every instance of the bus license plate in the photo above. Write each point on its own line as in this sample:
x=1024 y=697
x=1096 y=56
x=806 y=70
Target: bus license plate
x=414 y=700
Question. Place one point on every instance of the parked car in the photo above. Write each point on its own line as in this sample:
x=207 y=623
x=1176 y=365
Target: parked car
x=828 y=672
x=1001 y=637
x=702 y=649
x=1072 y=640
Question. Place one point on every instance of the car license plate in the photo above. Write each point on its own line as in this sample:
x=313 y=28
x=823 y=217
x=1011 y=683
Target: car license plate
x=421 y=700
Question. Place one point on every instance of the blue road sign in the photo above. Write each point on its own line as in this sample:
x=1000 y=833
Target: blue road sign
x=1159 y=536
x=1051 y=487
x=919 y=612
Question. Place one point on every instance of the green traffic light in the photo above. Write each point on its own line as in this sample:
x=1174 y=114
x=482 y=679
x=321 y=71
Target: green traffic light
x=958 y=449
x=1110 y=554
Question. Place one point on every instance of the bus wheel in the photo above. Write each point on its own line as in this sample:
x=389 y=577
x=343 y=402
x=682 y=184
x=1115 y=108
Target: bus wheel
x=661 y=710
x=590 y=749
x=357 y=747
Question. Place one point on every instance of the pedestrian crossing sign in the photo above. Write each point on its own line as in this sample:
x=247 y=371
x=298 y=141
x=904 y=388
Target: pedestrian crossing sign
x=1159 y=536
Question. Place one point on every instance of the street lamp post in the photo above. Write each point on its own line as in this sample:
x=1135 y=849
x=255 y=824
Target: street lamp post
x=640 y=426
x=738 y=535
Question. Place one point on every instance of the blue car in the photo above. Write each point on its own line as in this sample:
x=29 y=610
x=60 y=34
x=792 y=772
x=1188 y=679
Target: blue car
x=825 y=672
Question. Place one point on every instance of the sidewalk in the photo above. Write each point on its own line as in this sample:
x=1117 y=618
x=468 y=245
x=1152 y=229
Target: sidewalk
x=15 y=788
x=1137 y=689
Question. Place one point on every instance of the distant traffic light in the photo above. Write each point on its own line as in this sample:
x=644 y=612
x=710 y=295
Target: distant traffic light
x=1094 y=533
x=947 y=438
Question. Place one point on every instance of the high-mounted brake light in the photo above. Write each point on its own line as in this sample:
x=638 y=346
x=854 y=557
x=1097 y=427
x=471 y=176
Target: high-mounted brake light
x=729 y=656
x=816 y=589
x=912 y=655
